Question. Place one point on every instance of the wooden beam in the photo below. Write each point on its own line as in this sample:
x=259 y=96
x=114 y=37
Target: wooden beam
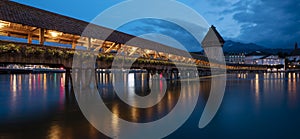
x=133 y=51
x=34 y=29
x=29 y=38
x=145 y=54
x=101 y=44
x=98 y=48
x=124 y=50
x=74 y=42
x=34 y=35
x=41 y=36
x=140 y=52
x=157 y=55
x=89 y=43
x=118 y=47
x=6 y=29
x=13 y=35
x=110 y=48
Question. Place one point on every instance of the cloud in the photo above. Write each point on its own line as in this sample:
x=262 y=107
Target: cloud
x=273 y=23
x=178 y=33
x=221 y=3
x=217 y=14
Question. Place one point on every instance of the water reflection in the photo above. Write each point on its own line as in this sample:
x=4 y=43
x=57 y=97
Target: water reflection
x=28 y=93
x=131 y=84
x=292 y=89
x=134 y=83
x=255 y=101
x=115 y=121
x=274 y=87
x=55 y=132
x=257 y=89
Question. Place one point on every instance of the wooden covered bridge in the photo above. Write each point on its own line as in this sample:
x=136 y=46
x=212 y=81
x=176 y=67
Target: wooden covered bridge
x=39 y=28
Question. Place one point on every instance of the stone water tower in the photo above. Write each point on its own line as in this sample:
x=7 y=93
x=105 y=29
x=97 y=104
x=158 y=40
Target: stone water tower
x=213 y=44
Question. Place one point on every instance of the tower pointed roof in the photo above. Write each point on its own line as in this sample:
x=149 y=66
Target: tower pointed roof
x=296 y=51
x=213 y=38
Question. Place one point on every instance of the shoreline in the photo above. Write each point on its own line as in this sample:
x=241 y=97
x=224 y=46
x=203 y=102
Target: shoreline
x=27 y=71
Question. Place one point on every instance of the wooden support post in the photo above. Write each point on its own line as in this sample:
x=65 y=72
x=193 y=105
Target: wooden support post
x=89 y=44
x=174 y=74
x=29 y=38
x=42 y=36
x=67 y=78
x=90 y=71
x=148 y=75
x=156 y=55
x=167 y=74
x=108 y=77
x=78 y=78
x=73 y=42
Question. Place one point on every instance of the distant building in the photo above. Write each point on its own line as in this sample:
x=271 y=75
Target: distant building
x=271 y=60
x=235 y=58
x=294 y=59
x=254 y=57
x=274 y=62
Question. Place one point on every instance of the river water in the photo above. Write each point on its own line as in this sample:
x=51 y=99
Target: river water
x=265 y=105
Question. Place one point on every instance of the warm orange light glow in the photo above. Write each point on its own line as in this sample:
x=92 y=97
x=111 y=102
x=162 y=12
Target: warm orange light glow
x=148 y=51
x=4 y=24
x=55 y=33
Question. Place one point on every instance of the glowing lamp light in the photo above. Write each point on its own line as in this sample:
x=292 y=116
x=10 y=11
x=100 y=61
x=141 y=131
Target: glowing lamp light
x=147 y=51
x=4 y=24
x=55 y=34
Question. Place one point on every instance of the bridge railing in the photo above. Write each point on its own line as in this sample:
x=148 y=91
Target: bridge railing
x=11 y=49
x=64 y=56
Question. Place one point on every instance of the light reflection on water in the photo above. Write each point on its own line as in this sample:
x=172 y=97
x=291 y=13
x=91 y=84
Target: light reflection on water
x=274 y=87
x=254 y=106
x=27 y=93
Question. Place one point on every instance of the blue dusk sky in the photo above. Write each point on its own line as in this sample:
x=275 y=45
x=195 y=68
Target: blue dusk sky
x=271 y=23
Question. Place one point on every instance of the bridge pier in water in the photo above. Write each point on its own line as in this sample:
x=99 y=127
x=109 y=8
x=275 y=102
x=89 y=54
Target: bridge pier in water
x=68 y=78
x=85 y=76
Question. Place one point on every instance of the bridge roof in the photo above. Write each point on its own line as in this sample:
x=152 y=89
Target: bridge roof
x=31 y=16
x=212 y=38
